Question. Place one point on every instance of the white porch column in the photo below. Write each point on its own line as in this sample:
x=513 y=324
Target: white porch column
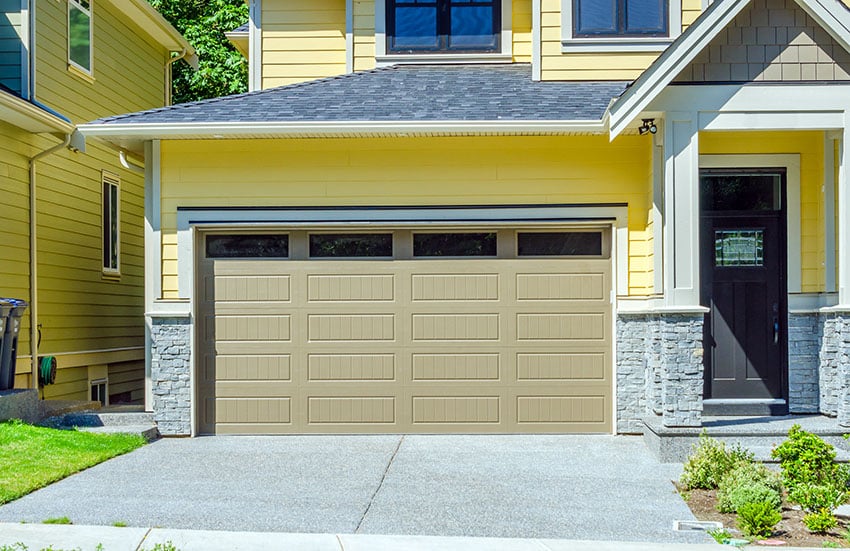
x=681 y=210
x=843 y=198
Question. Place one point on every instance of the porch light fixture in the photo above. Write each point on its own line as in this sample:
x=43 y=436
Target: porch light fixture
x=648 y=127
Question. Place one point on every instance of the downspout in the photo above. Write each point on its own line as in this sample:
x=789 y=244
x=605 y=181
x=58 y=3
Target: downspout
x=168 y=64
x=34 y=257
x=129 y=164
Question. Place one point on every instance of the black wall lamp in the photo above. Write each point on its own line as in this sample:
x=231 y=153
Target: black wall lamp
x=648 y=127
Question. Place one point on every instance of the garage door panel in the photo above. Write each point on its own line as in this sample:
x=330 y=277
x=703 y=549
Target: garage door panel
x=351 y=327
x=561 y=326
x=243 y=288
x=351 y=410
x=455 y=327
x=455 y=367
x=351 y=367
x=350 y=288
x=541 y=409
x=455 y=287
x=561 y=287
x=448 y=410
x=561 y=366
x=233 y=327
x=249 y=410
x=254 y=389
x=248 y=367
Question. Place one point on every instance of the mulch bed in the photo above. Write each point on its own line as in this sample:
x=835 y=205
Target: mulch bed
x=791 y=529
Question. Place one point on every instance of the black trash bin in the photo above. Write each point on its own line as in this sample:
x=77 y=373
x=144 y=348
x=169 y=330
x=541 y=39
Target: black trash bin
x=9 y=346
x=5 y=310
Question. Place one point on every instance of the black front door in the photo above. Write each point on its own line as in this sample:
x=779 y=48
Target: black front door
x=742 y=259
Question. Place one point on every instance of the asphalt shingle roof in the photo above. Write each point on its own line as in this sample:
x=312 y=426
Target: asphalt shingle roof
x=483 y=92
x=242 y=28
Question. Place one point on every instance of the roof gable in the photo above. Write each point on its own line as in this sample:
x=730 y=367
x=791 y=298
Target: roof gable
x=829 y=15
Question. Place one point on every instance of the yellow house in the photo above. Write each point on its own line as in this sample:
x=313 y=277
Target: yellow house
x=504 y=216
x=73 y=214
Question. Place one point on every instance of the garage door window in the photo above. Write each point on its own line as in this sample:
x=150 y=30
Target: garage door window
x=454 y=244
x=247 y=246
x=559 y=244
x=351 y=245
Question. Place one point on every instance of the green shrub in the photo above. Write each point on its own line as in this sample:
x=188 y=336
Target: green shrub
x=820 y=521
x=806 y=459
x=747 y=483
x=758 y=519
x=815 y=497
x=710 y=461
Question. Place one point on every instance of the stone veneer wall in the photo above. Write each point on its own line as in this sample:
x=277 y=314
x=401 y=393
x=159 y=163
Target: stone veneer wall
x=804 y=343
x=171 y=348
x=835 y=367
x=659 y=370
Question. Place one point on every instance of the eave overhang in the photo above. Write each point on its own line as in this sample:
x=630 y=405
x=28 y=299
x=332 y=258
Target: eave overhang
x=133 y=136
x=30 y=117
x=153 y=23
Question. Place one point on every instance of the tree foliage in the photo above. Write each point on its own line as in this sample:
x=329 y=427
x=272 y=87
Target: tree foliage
x=223 y=70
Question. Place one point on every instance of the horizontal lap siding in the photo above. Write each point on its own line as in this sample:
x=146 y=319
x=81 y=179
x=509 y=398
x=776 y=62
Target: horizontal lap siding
x=810 y=147
x=364 y=34
x=303 y=40
x=128 y=67
x=415 y=171
x=521 y=23
x=556 y=65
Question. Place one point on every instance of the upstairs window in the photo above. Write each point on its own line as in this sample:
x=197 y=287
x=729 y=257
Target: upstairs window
x=435 y=26
x=111 y=222
x=80 y=35
x=621 y=18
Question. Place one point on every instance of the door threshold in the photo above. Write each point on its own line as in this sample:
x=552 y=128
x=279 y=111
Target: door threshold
x=719 y=407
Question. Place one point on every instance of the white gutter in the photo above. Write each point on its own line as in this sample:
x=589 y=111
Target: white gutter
x=128 y=164
x=233 y=130
x=34 y=256
x=31 y=117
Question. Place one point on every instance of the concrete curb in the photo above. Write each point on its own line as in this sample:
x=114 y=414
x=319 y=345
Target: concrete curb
x=37 y=537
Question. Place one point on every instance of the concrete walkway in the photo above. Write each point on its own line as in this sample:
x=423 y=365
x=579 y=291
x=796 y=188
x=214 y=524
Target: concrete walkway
x=88 y=538
x=605 y=488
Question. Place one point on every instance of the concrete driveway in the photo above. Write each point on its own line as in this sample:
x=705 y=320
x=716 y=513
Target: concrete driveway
x=575 y=487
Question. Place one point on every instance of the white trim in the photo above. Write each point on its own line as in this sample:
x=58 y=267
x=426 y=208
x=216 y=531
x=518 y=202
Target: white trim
x=810 y=303
x=382 y=58
x=25 y=50
x=349 y=36
x=153 y=252
x=536 y=45
x=89 y=71
x=829 y=213
x=654 y=305
x=791 y=163
x=653 y=82
x=255 y=46
x=112 y=180
x=571 y=44
x=843 y=186
x=657 y=213
x=214 y=218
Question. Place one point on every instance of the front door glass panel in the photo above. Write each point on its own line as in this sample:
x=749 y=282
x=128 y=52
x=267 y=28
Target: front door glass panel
x=737 y=248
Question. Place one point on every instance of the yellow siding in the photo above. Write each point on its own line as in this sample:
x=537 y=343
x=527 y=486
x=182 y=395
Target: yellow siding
x=364 y=35
x=556 y=65
x=413 y=171
x=128 y=67
x=521 y=26
x=302 y=40
x=810 y=147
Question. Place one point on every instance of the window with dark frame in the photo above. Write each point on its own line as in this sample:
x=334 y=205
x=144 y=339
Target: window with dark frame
x=621 y=18
x=248 y=246
x=111 y=222
x=351 y=245
x=439 y=26
x=565 y=243
x=430 y=245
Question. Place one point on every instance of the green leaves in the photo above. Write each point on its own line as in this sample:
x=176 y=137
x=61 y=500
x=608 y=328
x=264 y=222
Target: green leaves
x=222 y=70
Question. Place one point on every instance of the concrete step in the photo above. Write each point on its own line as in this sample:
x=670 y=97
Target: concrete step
x=148 y=432
x=56 y=408
x=107 y=419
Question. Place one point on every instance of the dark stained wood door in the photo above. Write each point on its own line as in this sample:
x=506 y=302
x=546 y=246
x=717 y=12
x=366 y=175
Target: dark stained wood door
x=743 y=285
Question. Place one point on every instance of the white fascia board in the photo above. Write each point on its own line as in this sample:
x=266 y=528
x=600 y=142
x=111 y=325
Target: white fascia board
x=653 y=81
x=25 y=115
x=835 y=21
x=283 y=129
x=153 y=23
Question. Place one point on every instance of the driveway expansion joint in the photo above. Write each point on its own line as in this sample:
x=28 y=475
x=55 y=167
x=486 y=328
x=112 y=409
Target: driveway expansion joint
x=380 y=484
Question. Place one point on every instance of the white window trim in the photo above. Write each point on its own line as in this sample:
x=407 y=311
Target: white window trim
x=382 y=58
x=571 y=44
x=71 y=63
x=108 y=178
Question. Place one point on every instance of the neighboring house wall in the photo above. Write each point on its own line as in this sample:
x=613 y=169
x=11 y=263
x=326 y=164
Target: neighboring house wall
x=128 y=66
x=450 y=171
x=779 y=42
x=10 y=44
x=305 y=40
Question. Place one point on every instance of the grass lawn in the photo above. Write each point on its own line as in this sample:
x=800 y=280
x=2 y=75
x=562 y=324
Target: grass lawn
x=33 y=457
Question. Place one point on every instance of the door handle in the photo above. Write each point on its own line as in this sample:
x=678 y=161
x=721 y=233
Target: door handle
x=775 y=330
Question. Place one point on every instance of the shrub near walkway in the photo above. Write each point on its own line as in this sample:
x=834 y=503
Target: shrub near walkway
x=33 y=457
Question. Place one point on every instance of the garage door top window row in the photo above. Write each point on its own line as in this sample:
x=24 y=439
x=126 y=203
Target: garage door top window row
x=386 y=245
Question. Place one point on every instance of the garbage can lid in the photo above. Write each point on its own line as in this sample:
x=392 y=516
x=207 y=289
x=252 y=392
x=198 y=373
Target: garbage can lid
x=6 y=306
x=14 y=306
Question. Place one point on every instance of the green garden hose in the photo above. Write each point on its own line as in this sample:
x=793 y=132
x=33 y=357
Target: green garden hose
x=47 y=370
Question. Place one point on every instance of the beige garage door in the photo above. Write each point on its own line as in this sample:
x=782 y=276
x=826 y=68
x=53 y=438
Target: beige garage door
x=500 y=331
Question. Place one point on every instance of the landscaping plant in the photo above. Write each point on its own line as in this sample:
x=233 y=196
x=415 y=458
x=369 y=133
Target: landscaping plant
x=820 y=522
x=710 y=461
x=748 y=482
x=758 y=519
